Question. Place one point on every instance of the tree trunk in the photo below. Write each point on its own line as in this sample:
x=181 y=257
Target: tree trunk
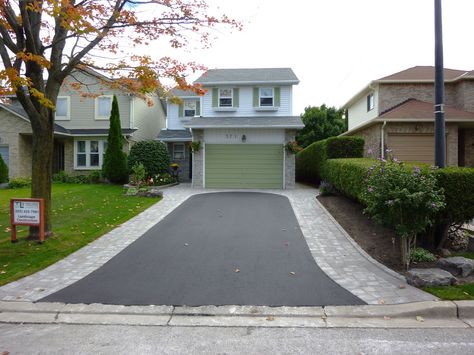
x=442 y=234
x=405 y=251
x=41 y=174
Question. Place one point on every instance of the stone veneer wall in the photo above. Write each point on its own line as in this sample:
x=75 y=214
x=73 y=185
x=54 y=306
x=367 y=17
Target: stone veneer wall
x=198 y=157
x=289 y=161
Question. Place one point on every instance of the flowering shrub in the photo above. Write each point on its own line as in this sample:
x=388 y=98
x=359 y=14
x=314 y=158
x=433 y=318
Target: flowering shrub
x=406 y=199
x=163 y=179
x=326 y=188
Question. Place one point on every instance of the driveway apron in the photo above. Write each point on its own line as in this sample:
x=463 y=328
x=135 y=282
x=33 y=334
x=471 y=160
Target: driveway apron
x=226 y=248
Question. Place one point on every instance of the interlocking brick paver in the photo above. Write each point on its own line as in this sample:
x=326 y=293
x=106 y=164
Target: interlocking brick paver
x=333 y=250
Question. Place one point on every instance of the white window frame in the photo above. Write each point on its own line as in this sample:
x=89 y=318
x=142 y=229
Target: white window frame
x=260 y=97
x=174 y=151
x=68 y=108
x=97 y=116
x=370 y=102
x=225 y=97
x=184 y=107
x=101 y=153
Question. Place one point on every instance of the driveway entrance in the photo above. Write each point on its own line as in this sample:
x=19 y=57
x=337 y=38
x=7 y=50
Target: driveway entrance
x=226 y=248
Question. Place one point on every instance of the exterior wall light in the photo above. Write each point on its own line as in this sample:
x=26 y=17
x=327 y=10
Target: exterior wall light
x=244 y=138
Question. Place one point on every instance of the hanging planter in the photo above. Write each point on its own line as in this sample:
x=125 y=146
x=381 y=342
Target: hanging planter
x=292 y=147
x=195 y=146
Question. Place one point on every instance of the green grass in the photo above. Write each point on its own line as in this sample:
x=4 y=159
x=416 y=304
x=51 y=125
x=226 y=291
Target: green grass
x=81 y=214
x=451 y=293
x=466 y=254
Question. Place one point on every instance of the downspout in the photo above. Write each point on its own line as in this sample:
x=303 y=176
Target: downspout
x=382 y=140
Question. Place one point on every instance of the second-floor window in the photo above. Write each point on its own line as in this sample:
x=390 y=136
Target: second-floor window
x=103 y=105
x=225 y=97
x=266 y=97
x=370 y=102
x=62 y=108
x=190 y=108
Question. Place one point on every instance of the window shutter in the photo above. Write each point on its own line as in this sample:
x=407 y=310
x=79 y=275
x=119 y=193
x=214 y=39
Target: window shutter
x=276 y=92
x=181 y=110
x=198 y=108
x=255 y=97
x=214 y=97
x=235 y=97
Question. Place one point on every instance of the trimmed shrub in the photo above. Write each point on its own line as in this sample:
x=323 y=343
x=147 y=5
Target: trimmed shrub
x=311 y=160
x=345 y=147
x=3 y=171
x=114 y=167
x=19 y=182
x=458 y=185
x=152 y=154
x=421 y=255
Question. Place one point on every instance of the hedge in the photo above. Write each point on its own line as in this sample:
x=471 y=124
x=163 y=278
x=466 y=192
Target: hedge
x=348 y=177
x=152 y=154
x=311 y=160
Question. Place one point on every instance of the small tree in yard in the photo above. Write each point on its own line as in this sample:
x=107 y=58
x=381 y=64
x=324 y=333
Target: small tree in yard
x=114 y=167
x=406 y=200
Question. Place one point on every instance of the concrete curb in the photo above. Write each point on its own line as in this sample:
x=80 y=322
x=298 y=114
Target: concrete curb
x=428 y=314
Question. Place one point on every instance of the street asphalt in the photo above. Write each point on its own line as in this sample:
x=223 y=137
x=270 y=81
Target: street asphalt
x=227 y=248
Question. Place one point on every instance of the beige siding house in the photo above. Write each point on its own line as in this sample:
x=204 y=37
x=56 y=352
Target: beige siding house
x=81 y=125
x=396 y=113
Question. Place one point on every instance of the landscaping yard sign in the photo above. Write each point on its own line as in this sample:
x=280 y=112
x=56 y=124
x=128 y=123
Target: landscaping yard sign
x=27 y=212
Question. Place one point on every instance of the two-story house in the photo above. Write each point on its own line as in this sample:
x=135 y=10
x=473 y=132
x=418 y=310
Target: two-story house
x=81 y=125
x=396 y=112
x=242 y=124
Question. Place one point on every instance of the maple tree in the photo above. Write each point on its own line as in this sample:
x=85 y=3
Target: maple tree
x=43 y=41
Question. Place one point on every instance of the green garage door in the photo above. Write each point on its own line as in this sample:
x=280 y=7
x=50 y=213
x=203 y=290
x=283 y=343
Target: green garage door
x=244 y=166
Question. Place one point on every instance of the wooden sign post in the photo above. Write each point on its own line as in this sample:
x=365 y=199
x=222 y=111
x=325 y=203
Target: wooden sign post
x=27 y=212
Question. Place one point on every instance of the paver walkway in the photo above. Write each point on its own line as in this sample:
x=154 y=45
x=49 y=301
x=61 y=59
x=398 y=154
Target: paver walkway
x=334 y=251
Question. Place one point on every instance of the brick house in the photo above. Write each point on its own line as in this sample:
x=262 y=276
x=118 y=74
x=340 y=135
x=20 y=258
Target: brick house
x=242 y=123
x=396 y=112
x=81 y=126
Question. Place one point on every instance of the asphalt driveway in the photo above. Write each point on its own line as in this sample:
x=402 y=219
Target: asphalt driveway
x=227 y=248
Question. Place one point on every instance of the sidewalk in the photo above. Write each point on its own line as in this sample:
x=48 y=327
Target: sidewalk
x=334 y=251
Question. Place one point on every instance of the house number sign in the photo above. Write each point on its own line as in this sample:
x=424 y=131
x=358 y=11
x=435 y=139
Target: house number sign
x=27 y=212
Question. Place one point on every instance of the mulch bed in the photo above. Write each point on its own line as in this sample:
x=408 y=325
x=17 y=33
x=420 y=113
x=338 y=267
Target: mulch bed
x=379 y=242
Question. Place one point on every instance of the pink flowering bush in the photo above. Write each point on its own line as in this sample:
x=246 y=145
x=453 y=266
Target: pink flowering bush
x=406 y=199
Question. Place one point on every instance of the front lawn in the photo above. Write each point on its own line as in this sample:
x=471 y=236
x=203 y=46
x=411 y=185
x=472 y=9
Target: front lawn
x=452 y=293
x=81 y=214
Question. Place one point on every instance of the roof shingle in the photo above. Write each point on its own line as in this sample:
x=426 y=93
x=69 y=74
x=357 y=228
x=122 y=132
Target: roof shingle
x=254 y=75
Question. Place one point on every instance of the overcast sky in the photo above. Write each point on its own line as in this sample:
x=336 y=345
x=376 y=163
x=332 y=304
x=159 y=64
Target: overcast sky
x=336 y=47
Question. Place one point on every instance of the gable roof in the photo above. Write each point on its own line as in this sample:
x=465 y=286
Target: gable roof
x=248 y=76
x=422 y=74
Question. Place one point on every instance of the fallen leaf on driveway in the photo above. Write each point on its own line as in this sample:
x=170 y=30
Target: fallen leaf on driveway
x=292 y=273
x=420 y=319
x=186 y=244
x=286 y=244
x=381 y=301
x=387 y=318
x=402 y=286
x=237 y=270
x=283 y=229
x=270 y=318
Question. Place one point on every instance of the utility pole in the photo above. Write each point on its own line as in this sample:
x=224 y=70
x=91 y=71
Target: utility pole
x=440 y=135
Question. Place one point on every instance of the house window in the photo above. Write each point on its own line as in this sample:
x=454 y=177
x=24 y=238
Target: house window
x=62 y=108
x=266 y=97
x=370 y=102
x=225 y=97
x=189 y=108
x=103 y=105
x=178 y=151
x=90 y=154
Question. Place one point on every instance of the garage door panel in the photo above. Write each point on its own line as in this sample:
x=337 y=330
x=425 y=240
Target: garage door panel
x=418 y=148
x=244 y=166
